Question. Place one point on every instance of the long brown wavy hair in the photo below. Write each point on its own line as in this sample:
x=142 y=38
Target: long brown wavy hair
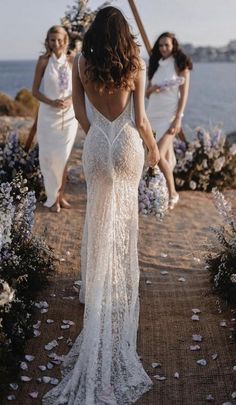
x=182 y=61
x=111 y=51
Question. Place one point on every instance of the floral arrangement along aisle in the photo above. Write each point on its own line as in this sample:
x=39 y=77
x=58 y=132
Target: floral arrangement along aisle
x=14 y=159
x=206 y=162
x=26 y=262
x=221 y=261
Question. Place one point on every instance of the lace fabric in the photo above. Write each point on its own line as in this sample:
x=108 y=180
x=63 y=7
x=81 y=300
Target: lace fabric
x=102 y=367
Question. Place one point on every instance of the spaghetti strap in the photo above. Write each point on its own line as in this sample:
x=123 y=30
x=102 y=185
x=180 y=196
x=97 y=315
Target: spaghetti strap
x=79 y=64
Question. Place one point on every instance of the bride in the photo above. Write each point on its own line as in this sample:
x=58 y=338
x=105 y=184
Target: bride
x=103 y=366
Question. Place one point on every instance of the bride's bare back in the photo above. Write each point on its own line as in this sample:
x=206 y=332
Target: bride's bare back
x=110 y=104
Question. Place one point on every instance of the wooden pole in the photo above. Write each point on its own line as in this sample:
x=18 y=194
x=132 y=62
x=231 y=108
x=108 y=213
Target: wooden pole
x=140 y=26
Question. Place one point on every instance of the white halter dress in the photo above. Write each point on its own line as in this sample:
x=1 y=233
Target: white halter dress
x=162 y=106
x=103 y=367
x=56 y=128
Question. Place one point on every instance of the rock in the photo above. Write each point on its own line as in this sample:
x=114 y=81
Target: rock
x=12 y=108
x=25 y=98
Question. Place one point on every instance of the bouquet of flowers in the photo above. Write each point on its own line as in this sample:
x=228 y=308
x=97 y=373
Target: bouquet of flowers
x=168 y=84
x=206 y=162
x=221 y=261
x=153 y=193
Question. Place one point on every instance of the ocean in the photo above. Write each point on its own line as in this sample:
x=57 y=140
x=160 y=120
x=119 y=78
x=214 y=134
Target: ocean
x=212 y=96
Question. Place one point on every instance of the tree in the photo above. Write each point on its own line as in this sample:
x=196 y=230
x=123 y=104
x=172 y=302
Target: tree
x=77 y=20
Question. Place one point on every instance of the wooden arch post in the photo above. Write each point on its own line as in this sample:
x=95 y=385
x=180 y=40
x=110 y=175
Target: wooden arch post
x=140 y=26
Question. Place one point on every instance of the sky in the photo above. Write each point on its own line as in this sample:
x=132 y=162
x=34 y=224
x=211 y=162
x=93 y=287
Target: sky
x=23 y=23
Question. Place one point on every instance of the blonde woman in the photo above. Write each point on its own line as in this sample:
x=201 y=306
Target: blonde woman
x=56 y=124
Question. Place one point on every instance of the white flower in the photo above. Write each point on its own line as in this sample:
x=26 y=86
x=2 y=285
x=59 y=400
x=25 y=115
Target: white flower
x=7 y=293
x=189 y=156
x=232 y=149
x=219 y=163
x=193 y=185
x=233 y=278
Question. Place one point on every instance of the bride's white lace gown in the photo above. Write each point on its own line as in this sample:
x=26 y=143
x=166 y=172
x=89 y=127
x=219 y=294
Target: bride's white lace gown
x=103 y=367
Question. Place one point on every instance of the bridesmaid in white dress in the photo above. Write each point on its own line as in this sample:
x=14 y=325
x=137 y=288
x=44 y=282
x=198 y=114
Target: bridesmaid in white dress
x=168 y=86
x=103 y=367
x=56 y=124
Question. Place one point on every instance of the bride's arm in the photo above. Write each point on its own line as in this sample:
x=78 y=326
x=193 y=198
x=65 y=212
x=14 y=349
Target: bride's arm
x=141 y=120
x=78 y=98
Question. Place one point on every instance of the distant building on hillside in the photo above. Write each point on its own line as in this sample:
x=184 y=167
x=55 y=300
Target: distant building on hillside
x=212 y=54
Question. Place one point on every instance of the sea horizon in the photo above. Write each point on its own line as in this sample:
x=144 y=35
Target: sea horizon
x=212 y=95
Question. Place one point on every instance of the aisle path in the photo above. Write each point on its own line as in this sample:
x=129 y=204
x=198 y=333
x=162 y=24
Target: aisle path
x=176 y=247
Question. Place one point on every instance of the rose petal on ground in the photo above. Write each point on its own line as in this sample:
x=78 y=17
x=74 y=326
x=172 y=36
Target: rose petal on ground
x=164 y=255
x=54 y=381
x=29 y=358
x=148 y=282
x=49 y=321
x=46 y=379
x=202 y=362
x=14 y=386
x=23 y=365
x=194 y=348
x=60 y=337
x=25 y=378
x=234 y=368
x=37 y=333
x=65 y=326
x=51 y=345
x=50 y=365
x=62 y=259
x=44 y=311
x=223 y=323
x=195 y=318
x=210 y=398
x=11 y=397
x=176 y=375
x=42 y=367
x=196 y=311
x=197 y=338
x=37 y=325
x=214 y=356
x=182 y=279
x=68 y=298
x=155 y=365
x=164 y=272
x=41 y=304
x=53 y=295
x=33 y=394
x=159 y=377
x=68 y=322
x=233 y=395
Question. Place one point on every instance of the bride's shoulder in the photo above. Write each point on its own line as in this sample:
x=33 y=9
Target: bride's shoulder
x=142 y=63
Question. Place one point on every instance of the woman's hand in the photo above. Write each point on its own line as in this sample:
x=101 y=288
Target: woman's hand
x=153 y=156
x=175 y=126
x=152 y=89
x=60 y=103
